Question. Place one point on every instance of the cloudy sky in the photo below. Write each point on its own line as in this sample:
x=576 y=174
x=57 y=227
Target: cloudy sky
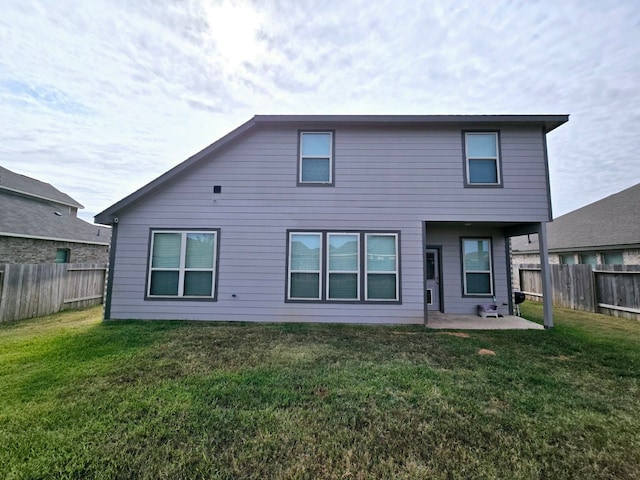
x=100 y=97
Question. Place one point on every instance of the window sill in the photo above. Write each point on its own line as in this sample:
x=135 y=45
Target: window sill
x=316 y=184
x=483 y=185
x=346 y=302
x=181 y=299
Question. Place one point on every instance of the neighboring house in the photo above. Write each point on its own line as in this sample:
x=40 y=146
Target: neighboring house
x=324 y=218
x=38 y=224
x=602 y=233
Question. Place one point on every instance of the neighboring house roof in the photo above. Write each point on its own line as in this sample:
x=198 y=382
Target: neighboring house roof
x=546 y=122
x=32 y=209
x=31 y=218
x=14 y=182
x=610 y=223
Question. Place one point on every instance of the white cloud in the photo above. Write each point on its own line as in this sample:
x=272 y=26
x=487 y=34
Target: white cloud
x=99 y=98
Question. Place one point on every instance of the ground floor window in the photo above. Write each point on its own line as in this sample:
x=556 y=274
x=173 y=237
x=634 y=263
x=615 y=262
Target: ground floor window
x=331 y=266
x=63 y=255
x=477 y=266
x=183 y=264
x=589 y=259
x=593 y=258
x=612 y=258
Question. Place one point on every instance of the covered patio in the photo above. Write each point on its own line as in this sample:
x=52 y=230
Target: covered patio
x=468 y=265
x=442 y=321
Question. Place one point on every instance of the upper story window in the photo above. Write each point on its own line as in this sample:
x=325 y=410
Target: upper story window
x=182 y=264
x=482 y=159
x=315 y=164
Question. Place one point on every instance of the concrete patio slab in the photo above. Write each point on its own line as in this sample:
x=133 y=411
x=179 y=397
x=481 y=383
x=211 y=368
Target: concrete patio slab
x=439 y=320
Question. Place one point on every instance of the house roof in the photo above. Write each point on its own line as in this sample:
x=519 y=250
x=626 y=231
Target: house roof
x=546 y=122
x=14 y=182
x=610 y=223
x=32 y=218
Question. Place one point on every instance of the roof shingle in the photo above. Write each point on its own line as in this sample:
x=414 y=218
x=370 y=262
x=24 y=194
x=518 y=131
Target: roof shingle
x=30 y=186
x=613 y=221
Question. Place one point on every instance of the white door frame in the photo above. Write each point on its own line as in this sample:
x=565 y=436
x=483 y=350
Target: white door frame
x=433 y=286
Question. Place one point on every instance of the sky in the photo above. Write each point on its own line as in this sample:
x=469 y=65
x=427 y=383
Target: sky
x=100 y=97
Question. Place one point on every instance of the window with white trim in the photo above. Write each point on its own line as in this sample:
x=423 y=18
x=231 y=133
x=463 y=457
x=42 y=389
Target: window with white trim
x=343 y=267
x=381 y=266
x=305 y=261
x=334 y=266
x=477 y=266
x=316 y=158
x=182 y=264
x=482 y=158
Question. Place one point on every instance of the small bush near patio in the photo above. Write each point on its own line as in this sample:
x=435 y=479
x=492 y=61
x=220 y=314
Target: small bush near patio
x=80 y=398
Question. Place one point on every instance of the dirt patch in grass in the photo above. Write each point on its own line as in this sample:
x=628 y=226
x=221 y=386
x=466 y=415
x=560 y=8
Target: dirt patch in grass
x=560 y=358
x=455 y=334
x=484 y=351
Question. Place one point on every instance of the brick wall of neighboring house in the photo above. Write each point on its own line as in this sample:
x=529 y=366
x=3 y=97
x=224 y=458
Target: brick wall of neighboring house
x=631 y=257
x=29 y=250
x=526 y=258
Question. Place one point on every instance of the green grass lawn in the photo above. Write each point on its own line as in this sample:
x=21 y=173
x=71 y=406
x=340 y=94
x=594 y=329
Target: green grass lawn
x=84 y=399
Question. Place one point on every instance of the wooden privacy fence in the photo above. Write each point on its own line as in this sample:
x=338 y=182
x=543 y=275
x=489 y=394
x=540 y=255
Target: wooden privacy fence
x=610 y=289
x=32 y=290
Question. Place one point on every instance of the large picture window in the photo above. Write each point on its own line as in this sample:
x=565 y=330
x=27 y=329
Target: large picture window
x=477 y=269
x=482 y=159
x=339 y=266
x=316 y=158
x=183 y=264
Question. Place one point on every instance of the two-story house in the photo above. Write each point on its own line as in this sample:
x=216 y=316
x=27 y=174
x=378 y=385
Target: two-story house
x=39 y=224
x=330 y=218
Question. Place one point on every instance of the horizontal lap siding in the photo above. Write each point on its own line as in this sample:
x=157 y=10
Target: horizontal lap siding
x=449 y=239
x=385 y=179
x=255 y=274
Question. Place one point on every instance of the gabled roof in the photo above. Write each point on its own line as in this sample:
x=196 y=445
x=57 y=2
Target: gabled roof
x=546 y=122
x=14 y=182
x=32 y=218
x=610 y=223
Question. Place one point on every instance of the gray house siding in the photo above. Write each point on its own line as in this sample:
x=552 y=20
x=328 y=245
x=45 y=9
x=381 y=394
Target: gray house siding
x=386 y=178
x=448 y=237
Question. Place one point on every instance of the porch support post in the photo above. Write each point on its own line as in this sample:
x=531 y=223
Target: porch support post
x=547 y=291
x=424 y=272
